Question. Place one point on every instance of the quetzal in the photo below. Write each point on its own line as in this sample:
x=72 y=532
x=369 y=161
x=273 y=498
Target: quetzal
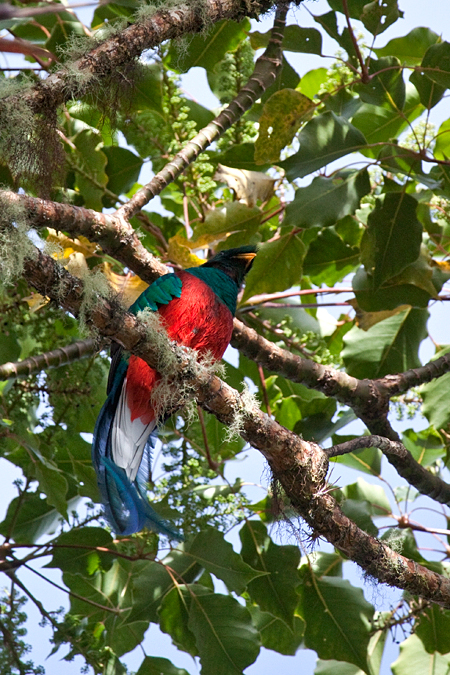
x=197 y=306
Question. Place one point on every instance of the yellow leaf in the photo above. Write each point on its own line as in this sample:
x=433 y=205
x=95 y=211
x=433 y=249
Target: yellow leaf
x=366 y=320
x=179 y=252
x=444 y=265
x=36 y=301
x=128 y=286
x=69 y=246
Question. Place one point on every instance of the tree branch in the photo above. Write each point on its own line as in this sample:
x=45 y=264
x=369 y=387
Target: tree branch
x=118 y=51
x=299 y=466
x=53 y=359
x=264 y=75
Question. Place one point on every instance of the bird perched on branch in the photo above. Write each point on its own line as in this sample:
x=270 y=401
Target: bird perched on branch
x=196 y=307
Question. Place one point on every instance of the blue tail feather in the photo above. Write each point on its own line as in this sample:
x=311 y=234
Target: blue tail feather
x=125 y=503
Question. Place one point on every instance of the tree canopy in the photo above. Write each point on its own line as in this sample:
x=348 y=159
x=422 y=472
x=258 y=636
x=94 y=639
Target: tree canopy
x=112 y=175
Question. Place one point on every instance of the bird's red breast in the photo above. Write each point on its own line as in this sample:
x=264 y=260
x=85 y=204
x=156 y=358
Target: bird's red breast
x=197 y=319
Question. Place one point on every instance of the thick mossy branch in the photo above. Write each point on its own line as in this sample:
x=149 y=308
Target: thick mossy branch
x=299 y=466
x=82 y=76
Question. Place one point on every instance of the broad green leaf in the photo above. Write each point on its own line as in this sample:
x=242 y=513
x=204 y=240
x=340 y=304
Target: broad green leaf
x=174 y=618
x=328 y=259
x=226 y=638
x=241 y=156
x=327 y=200
x=81 y=551
x=30 y=517
x=393 y=237
x=312 y=81
x=332 y=667
x=152 y=581
x=199 y=114
x=324 y=139
x=54 y=485
x=282 y=115
x=123 y=169
x=379 y=124
x=295 y=39
x=386 y=86
x=147 y=90
x=156 y=665
x=433 y=77
x=412 y=287
x=211 y=551
x=436 y=395
x=425 y=446
x=277 y=266
x=208 y=48
x=412 y=651
x=92 y=163
x=433 y=629
x=374 y=495
x=442 y=148
x=338 y=620
x=410 y=48
x=329 y=23
x=379 y=15
x=374 y=652
x=275 y=593
x=391 y=346
x=275 y=634
x=10 y=348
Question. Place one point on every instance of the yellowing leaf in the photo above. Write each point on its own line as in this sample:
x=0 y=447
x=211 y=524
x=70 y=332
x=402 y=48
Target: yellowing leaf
x=128 y=286
x=82 y=245
x=366 y=320
x=249 y=186
x=179 y=252
x=444 y=265
x=283 y=114
x=36 y=301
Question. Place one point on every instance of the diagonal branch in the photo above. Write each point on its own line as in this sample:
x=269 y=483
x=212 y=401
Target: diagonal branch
x=426 y=482
x=299 y=466
x=263 y=76
x=53 y=359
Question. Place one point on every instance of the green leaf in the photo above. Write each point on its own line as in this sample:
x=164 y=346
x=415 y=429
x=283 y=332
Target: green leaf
x=77 y=551
x=275 y=593
x=123 y=169
x=338 y=620
x=92 y=162
x=432 y=81
x=287 y=78
x=386 y=86
x=327 y=200
x=275 y=634
x=156 y=665
x=412 y=651
x=216 y=555
x=410 y=48
x=234 y=224
x=54 y=485
x=378 y=15
x=208 y=48
x=226 y=638
x=425 y=446
x=312 y=81
x=10 y=348
x=433 y=629
x=241 y=156
x=174 y=619
x=442 y=148
x=147 y=90
x=374 y=495
x=379 y=124
x=393 y=237
x=436 y=395
x=295 y=39
x=390 y=346
x=324 y=139
x=30 y=517
x=152 y=581
x=277 y=266
x=328 y=259
x=282 y=115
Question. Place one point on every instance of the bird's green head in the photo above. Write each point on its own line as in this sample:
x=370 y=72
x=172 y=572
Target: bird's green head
x=235 y=262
